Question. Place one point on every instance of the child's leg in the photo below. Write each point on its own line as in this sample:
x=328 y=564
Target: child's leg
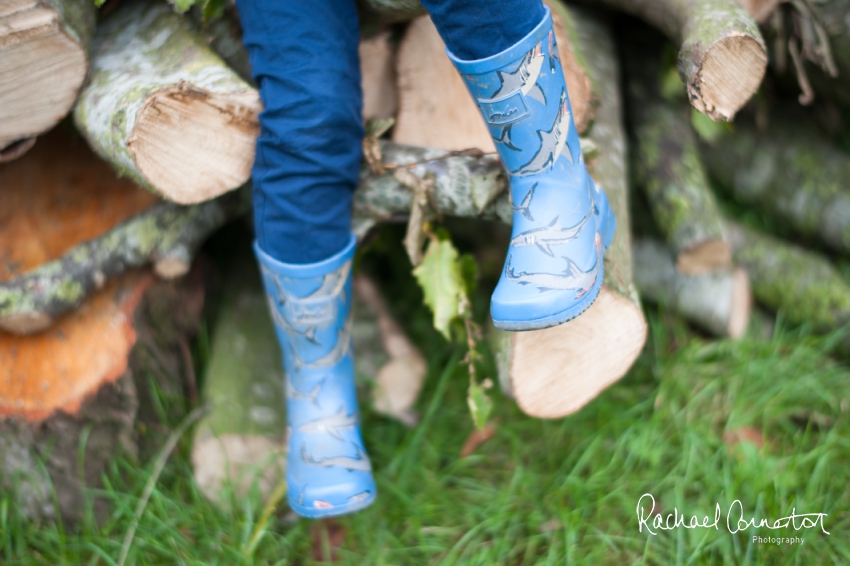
x=506 y=53
x=475 y=29
x=304 y=59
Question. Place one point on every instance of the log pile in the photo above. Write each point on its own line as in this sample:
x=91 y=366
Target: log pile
x=96 y=224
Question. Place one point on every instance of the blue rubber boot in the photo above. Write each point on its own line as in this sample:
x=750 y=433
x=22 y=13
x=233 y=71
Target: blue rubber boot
x=562 y=221
x=328 y=472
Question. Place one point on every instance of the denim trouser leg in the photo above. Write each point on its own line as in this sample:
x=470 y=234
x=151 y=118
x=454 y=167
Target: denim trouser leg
x=304 y=59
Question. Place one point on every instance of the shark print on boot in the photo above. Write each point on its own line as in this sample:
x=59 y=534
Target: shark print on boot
x=328 y=472
x=562 y=221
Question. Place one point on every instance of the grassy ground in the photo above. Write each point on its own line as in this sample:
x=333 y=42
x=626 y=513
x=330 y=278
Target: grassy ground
x=695 y=423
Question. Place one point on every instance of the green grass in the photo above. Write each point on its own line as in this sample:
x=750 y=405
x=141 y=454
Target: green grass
x=540 y=492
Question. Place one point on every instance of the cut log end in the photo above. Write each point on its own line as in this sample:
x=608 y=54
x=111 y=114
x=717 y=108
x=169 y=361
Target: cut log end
x=238 y=460
x=194 y=145
x=33 y=100
x=614 y=325
x=729 y=74
x=172 y=267
x=742 y=303
x=704 y=257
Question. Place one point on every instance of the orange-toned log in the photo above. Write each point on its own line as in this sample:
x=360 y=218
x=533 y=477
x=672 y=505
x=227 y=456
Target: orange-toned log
x=70 y=396
x=68 y=224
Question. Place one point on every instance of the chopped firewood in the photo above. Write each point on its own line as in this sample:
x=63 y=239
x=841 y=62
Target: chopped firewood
x=164 y=109
x=384 y=351
x=668 y=168
x=435 y=108
x=722 y=55
x=68 y=224
x=242 y=439
x=804 y=285
x=378 y=76
x=718 y=301
x=83 y=385
x=44 y=60
x=788 y=171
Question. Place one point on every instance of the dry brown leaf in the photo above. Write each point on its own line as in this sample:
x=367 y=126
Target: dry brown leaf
x=476 y=438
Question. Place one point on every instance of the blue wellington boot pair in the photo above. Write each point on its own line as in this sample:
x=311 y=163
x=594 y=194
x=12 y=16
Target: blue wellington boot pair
x=328 y=472
x=562 y=221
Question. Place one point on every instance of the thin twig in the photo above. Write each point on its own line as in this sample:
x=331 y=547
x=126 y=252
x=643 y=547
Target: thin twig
x=188 y=362
x=472 y=152
x=808 y=94
x=161 y=459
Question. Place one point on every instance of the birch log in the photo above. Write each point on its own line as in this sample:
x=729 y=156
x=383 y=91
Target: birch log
x=718 y=301
x=668 y=168
x=789 y=172
x=43 y=62
x=163 y=109
x=241 y=440
x=722 y=55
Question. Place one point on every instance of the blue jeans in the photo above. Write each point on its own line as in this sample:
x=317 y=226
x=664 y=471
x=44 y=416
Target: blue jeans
x=304 y=60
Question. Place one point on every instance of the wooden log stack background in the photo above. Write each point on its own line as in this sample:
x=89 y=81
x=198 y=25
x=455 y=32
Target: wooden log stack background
x=102 y=215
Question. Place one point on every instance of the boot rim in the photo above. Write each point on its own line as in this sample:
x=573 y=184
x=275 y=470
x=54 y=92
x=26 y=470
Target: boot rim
x=509 y=55
x=304 y=270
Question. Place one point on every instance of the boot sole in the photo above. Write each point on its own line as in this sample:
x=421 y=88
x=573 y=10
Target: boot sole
x=322 y=513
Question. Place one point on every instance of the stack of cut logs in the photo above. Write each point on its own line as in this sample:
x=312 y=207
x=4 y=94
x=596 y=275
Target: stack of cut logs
x=101 y=216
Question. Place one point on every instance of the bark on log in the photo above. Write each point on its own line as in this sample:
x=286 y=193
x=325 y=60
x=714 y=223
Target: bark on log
x=43 y=62
x=669 y=170
x=85 y=386
x=805 y=286
x=166 y=234
x=242 y=439
x=224 y=36
x=163 y=109
x=789 y=172
x=717 y=301
x=722 y=56
x=435 y=108
x=51 y=200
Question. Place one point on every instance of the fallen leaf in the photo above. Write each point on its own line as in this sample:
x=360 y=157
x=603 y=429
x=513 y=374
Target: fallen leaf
x=743 y=434
x=476 y=438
